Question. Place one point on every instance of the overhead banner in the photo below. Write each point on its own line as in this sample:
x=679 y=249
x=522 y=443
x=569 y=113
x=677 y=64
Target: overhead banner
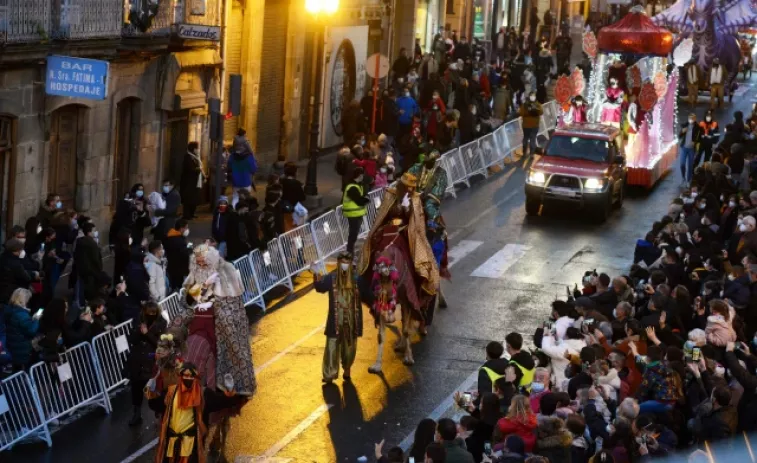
x=346 y=50
x=77 y=77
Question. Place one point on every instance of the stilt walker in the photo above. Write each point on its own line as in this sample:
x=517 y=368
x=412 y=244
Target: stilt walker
x=345 y=321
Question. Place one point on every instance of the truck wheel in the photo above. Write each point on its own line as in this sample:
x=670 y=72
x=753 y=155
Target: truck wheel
x=532 y=207
x=621 y=195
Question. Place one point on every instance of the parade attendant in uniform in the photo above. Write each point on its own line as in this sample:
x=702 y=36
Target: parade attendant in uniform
x=710 y=136
x=354 y=201
x=345 y=322
x=611 y=108
x=182 y=431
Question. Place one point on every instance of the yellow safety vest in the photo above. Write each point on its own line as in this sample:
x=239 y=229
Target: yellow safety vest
x=528 y=376
x=493 y=375
x=350 y=208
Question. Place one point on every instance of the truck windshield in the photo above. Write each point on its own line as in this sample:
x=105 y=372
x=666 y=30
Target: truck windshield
x=569 y=147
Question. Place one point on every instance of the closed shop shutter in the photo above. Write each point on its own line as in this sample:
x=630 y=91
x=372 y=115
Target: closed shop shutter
x=272 y=73
x=233 y=61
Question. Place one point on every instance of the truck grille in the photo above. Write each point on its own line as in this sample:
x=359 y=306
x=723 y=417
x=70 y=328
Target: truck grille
x=563 y=181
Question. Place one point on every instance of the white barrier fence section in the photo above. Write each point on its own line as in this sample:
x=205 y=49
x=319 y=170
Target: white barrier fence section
x=456 y=167
x=501 y=145
x=374 y=197
x=249 y=281
x=112 y=351
x=171 y=306
x=344 y=225
x=73 y=383
x=327 y=235
x=270 y=267
x=20 y=412
x=473 y=162
x=487 y=150
x=299 y=248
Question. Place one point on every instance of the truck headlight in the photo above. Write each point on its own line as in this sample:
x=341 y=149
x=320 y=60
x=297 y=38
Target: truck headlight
x=536 y=178
x=594 y=183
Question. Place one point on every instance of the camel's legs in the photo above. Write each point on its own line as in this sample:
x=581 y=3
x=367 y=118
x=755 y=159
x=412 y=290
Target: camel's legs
x=406 y=326
x=376 y=367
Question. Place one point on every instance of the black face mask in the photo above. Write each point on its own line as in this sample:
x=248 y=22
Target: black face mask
x=188 y=383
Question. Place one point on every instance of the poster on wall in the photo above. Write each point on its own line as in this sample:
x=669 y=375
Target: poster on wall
x=344 y=78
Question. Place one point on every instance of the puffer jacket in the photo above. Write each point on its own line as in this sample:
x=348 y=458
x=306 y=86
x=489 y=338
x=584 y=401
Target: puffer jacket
x=718 y=331
x=556 y=352
x=525 y=430
x=21 y=328
x=553 y=440
x=156 y=269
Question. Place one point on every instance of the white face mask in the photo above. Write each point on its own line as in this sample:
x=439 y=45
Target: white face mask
x=702 y=206
x=58 y=205
x=407 y=93
x=704 y=222
x=166 y=189
x=708 y=119
x=473 y=111
x=694 y=194
x=742 y=228
x=344 y=266
x=130 y=241
x=731 y=277
x=731 y=204
x=39 y=229
x=185 y=233
x=691 y=122
x=22 y=254
x=532 y=98
x=719 y=371
x=96 y=234
x=383 y=170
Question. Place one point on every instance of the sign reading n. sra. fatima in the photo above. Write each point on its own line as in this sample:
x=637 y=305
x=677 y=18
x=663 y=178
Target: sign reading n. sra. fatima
x=198 y=32
x=77 y=77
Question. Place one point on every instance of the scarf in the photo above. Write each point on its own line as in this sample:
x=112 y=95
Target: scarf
x=198 y=160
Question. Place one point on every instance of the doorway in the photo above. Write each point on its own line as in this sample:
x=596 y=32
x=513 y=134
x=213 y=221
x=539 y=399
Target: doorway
x=126 y=162
x=64 y=145
x=177 y=124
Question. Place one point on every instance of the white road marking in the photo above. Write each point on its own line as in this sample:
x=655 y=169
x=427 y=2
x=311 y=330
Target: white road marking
x=440 y=410
x=498 y=264
x=258 y=370
x=294 y=433
x=289 y=349
x=460 y=250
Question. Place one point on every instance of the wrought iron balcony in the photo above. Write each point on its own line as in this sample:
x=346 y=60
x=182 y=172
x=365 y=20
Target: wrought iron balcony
x=158 y=17
x=25 y=20
x=86 y=19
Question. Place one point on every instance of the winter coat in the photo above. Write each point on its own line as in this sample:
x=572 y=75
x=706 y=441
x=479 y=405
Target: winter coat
x=168 y=215
x=525 y=430
x=659 y=383
x=476 y=442
x=292 y=191
x=20 y=329
x=747 y=408
x=156 y=271
x=719 y=332
x=12 y=276
x=553 y=440
x=556 y=352
x=191 y=170
x=456 y=452
x=580 y=451
x=218 y=228
x=89 y=262
x=141 y=349
x=137 y=282
x=717 y=424
x=241 y=167
x=530 y=112
x=177 y=255
x=737 y=291
x=408 y=108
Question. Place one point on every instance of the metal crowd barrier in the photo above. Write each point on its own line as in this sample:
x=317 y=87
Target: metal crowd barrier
x=88 y=371
x=74 y=382
x=21 y=414
x=112 y=351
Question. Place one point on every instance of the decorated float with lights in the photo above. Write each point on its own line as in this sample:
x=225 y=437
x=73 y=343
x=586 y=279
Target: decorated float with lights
x=631 y=87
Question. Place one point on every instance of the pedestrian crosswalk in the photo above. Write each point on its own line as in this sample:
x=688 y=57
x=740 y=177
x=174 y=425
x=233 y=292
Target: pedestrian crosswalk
x=501 y=261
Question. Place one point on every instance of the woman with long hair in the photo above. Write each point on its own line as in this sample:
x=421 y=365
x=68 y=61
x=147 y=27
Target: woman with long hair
x=520 y=420
x=424 y=435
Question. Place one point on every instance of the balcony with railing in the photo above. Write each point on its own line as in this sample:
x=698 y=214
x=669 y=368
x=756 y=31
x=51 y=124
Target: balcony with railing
x=23 y=21
x=86 y=19
x=159 y=18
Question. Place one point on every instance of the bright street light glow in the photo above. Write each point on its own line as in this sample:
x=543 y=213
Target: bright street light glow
x=321 y=6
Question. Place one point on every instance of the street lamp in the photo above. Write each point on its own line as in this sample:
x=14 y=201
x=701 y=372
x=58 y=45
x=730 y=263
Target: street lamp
x=317 y=8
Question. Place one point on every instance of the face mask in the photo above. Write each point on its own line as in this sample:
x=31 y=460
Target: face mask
x=58 y=205
x=537 y=387
x=74 y=223
x=614 y=85
x=185 y=233
x=140 y=193
x=383 y=170
x=694 y=194
x=708 y=119
x=435 y=108
x=22 y=254
x=742 y=228
x=344 y=266
x=96 y=234
x=362 y=142
x=473 y=111
x=130 y=241
x=166 y=189
x=704 y=222
x=359 y=179
x=719 y=371
x=39 y=229
x=532 y=98
x=731 y=277
x=731 y=204
x=407 y=94
x=188 y=383
x=691 y=121
x=702 y=205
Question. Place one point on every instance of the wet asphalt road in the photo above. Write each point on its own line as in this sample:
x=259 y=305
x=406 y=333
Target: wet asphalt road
x=293 y=417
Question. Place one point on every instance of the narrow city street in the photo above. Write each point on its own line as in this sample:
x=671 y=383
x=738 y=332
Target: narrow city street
x=506 y=269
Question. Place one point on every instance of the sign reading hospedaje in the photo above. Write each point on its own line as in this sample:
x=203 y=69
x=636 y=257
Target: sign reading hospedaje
x=77 y=77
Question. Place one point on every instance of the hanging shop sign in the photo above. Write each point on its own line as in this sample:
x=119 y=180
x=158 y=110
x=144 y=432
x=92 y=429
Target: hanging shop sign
x=77 y=77
x=198 y=32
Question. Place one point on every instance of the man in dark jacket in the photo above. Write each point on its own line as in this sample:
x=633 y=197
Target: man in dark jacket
x=521 y=360
x=455 y=446
x=88 y=260
x=137 y=279
x=13 y=275
x=719 y=420
x=192 y=178
x=168 y=215
x=747 y=408
x=177 y=253
x=48 y=209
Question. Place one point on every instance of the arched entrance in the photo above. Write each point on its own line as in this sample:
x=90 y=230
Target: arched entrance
x=66 y=129
x=126 y=162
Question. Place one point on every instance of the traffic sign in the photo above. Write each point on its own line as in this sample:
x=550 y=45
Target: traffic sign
x=377 y=66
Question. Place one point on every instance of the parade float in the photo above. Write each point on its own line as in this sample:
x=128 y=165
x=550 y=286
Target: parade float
x=630 y=71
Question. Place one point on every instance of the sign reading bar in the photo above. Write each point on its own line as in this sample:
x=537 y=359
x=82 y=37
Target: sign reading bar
x=77 y=77
x=198 y=32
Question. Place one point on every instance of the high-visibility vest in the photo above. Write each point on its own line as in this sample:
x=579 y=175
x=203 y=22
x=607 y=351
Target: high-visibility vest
x=493 y=375
x=528 y=376
x=350 y=208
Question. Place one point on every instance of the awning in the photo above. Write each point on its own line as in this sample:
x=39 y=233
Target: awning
x=171 y=67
